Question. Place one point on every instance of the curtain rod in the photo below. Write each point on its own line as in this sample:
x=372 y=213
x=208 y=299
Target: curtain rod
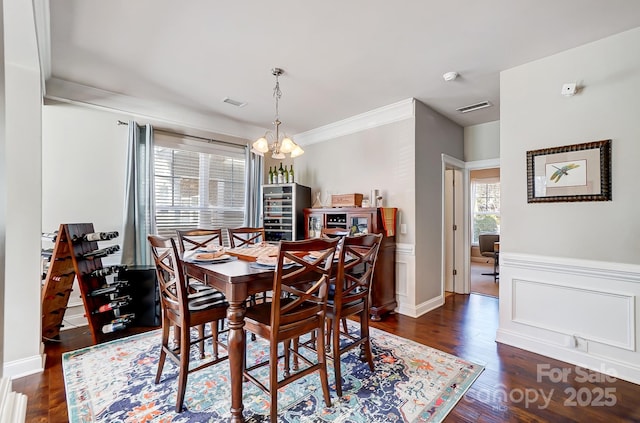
x=209 y=140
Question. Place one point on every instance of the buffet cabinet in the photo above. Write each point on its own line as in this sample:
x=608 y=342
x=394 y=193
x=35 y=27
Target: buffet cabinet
x=359 y=220
x=282 y=211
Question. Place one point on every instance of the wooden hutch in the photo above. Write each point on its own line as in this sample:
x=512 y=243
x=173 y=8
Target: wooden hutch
x=363 y=220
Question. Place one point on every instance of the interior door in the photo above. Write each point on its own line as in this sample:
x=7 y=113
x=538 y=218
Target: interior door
x=453 y=233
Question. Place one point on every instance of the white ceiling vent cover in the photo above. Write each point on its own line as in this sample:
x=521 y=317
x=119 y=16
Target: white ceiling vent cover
x=234 y=102
x=472 y=107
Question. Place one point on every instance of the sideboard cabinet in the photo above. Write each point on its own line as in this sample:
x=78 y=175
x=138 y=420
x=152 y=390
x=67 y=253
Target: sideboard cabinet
x=360 y=220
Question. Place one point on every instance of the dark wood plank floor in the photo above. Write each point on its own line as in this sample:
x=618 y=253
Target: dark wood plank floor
x=509 y=390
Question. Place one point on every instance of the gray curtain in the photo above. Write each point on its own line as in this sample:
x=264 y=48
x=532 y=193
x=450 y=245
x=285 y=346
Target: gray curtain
x=139 y=204
x=253 y=194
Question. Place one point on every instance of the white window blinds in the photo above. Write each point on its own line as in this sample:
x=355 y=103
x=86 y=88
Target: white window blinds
x=198 y=184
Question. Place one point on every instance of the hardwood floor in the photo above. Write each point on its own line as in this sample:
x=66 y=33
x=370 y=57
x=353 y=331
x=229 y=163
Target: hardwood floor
x=511 y=389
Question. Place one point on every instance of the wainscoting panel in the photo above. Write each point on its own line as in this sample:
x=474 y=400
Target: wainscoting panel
x=582 y=312
x=405 y=279
x=600 y=316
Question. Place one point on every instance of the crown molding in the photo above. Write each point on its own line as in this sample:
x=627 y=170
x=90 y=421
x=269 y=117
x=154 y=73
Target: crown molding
x=381 y=116
x=74 y=93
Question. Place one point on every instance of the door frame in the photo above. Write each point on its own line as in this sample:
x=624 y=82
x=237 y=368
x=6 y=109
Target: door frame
x=449 y=162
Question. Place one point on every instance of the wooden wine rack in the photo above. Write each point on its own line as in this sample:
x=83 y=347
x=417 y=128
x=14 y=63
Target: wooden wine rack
x=67 y=262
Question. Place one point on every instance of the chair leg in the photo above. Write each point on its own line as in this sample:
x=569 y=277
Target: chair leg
x=273 y=382
x=184 y=367
x=163 y=352
x=201 y=342
x=287 y=358
x=364 y=334
x=337 y=371
x=345 y=328
x=323 y=367
x=329 y=332
x=214 y=338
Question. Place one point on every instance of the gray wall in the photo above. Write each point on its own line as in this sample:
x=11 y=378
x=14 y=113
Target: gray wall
x=435 y=135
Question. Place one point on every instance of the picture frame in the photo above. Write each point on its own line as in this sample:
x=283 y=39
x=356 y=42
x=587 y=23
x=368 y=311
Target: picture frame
x=577 y=172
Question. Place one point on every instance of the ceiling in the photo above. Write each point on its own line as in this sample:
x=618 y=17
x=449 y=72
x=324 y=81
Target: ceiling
x=341 y=58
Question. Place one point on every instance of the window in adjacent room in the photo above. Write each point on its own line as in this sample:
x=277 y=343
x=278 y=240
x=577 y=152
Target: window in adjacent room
x=198 y=185
x=485 y=201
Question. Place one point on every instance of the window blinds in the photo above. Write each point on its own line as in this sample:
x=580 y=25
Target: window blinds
x=198 y=184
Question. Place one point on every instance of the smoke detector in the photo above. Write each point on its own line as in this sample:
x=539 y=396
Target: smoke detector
x=450 y=76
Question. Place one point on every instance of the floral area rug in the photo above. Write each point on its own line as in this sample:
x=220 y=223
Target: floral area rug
x=114 y=382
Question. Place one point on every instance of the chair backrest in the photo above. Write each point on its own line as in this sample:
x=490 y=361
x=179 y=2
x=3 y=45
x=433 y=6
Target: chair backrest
x=485 y=242
x=355 y=269
x=171 y=281
x=334 y=232
x=192 y=239
x=300 y=293
x=242 y=237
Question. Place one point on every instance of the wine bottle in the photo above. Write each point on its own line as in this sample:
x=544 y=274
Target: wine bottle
x=102 y=252
x=100 y=236
x=115 y=303
x=118 y=323
x=291 y=178
x=106 y=271
x=112 y=327
x=109 y=288
x=270 y=179
x=285 y=178
x=50 y=236
x=280 y=174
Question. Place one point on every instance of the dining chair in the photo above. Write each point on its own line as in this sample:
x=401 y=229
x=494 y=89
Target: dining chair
x=357 y=261
x=194 y=239
x=184 y=311
x=245 y=236
x=486 y=243
x=333 y=232
x=297 y=308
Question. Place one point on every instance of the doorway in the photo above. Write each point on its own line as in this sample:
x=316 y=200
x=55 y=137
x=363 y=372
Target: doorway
x=484 y=190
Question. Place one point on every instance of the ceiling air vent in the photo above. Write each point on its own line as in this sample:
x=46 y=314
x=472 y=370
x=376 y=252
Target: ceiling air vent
x=472 y=107
x=234 y=102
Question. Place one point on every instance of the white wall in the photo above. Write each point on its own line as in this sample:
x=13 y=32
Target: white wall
x=23 y=157
x=83 y=178
x=380 y=157
x=482 y=142
x=573 y=268
x=3 y=185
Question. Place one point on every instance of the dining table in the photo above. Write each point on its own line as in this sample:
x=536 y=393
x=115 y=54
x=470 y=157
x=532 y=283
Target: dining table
x=238 y=279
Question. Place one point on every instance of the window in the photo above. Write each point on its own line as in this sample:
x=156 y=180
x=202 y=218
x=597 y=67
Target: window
x=198 y=185
x=485 y=200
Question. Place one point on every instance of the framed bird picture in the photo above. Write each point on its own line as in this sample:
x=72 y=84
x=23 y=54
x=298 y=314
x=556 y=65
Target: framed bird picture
x=578 y=172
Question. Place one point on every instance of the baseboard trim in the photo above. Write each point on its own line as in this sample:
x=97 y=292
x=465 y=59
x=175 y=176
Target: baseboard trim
x=422 y=308
x=24 y=367
x=616 y=368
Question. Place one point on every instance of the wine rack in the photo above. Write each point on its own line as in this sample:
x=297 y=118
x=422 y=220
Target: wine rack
x=77 y=255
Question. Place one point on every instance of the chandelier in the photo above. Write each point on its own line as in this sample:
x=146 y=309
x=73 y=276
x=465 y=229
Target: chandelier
x=278 y=143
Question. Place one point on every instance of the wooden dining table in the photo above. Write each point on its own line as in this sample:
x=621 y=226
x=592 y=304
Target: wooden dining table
x=237 y=279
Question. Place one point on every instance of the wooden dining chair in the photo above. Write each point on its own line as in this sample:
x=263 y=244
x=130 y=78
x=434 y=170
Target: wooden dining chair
x=333 y=232
x=245 y=236
x=193 y=239
x=183 y=311
x=351 y=298
x=297 y=308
